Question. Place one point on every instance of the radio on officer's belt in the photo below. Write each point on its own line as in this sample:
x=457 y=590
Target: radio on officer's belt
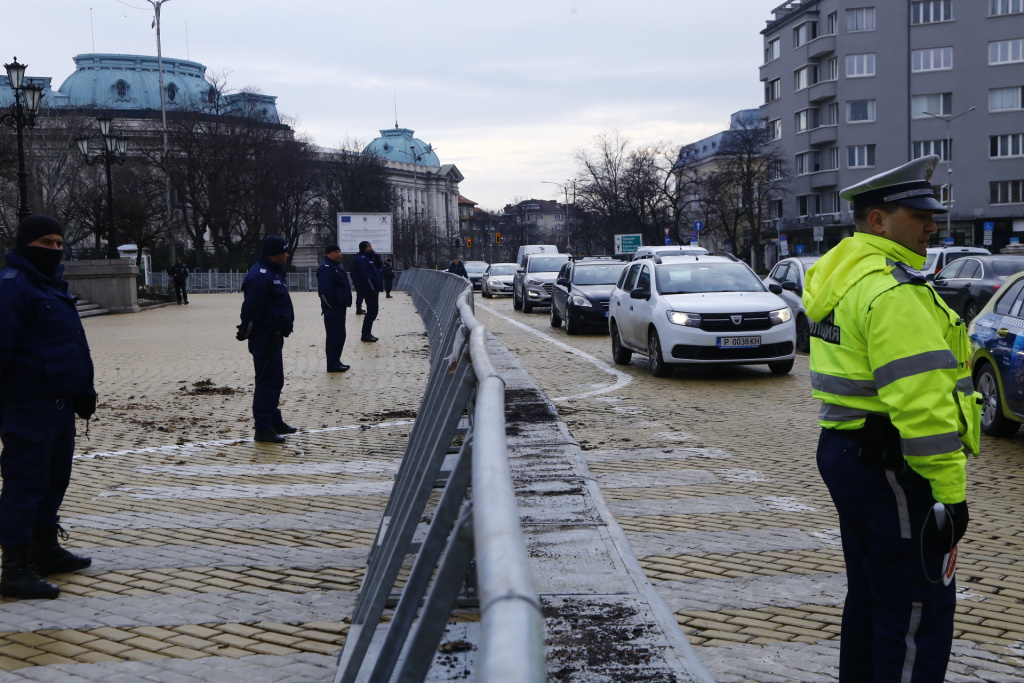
x=949 y=559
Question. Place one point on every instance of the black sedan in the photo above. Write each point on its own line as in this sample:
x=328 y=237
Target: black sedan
x=580 y=295
x=967 y=284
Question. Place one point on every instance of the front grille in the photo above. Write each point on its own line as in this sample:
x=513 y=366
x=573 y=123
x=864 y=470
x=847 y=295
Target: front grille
x=687 y=352
x=604 y=305
x=722 y=322
x=548 y=288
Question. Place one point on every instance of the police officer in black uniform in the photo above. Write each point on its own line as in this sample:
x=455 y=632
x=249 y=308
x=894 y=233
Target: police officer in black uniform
x=179 y=274
x=388 y=271
x=335 y=297
x=46 y=378
x=267 y=318
x=369 y=282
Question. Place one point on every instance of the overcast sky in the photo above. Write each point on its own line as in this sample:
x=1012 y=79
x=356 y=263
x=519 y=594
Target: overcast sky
x=507 y=90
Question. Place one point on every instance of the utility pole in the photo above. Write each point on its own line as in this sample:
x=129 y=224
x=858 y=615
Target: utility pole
x=163 y=117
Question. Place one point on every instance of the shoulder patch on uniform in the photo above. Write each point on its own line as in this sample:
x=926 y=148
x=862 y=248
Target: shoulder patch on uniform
x=904 y=273
x=263 y=270
x=11 y=273
x=826 y=330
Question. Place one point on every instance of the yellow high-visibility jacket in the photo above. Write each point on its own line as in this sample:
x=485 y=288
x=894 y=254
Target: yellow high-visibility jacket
x=882 y=341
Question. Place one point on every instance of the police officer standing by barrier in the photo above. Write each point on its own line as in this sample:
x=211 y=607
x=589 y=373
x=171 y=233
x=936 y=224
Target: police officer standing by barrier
x=889 y=360
x=267 y=318
x=388 y=271
x=179 y=273
x=369 y=282
x=335 y=297
x=46 y=378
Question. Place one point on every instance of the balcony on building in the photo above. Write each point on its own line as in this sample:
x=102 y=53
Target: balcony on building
x=821 y=46
x=824 y=90
x=824 y=179
x=822 y=135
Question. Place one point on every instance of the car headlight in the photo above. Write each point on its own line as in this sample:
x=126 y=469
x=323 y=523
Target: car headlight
x=581 y=301
x=780 y=316
x=494 y=282
x=532 y=281
x=680 y=318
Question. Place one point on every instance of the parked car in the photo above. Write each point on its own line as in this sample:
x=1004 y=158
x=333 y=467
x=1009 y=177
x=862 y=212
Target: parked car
x=580 y=295
x=997 y=359
x=535 y=279
x=475 y=270
x=699 y=310
x=968 y=283
x=678 y=250
x=528 y=249
x=498 y=279
x=789 y=273
x=938 y=258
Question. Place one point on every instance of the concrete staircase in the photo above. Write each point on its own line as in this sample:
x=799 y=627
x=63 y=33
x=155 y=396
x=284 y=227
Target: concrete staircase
x=87 y=309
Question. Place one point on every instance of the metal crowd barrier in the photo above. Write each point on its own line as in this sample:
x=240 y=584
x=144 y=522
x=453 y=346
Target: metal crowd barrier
x=213 y=283
x=463 y=380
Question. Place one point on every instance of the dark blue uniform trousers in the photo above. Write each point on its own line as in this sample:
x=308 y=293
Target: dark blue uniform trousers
x=269 y=366
x=38 y=446
x=334 y=324
x=372 y=307
x=898 y=618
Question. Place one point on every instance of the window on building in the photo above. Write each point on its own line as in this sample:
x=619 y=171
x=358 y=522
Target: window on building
x=859 y=156
x=860 y=19
x=940 y=104
x=858 y=111
x=558 y=216
x=931 y=59
x=1006 y=145
x=771 y=50
x=806 y=119
x=832 y=115
x=832 y=69
x=805 y=77
x=807 y=205
x=833 y=159
x=931 y=11
x=832 y=24
x=1006 y=192
x=772 y=90
x=804 y=33
x=832 y=204
x=1003 y=99
x=859 y=66
x=808 y=162
x=775 y=170
x=923 y=148
x=1006 y=51
x=998 y=7
x=774 y=208
x=775 y=129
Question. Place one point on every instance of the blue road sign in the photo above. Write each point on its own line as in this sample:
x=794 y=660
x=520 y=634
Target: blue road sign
x=668 y=241
x=799 y=248
x=698 y=225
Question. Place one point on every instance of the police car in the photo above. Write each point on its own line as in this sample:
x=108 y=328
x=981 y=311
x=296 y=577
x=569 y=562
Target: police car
x=699 y=310
x=997 y=361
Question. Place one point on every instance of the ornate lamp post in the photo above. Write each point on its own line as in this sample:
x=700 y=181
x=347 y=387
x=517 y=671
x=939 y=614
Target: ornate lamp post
x=114 y=149
x=20 y=117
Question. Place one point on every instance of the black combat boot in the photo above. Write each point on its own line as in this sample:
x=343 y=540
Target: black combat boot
x=50 y=558
x=19 y=577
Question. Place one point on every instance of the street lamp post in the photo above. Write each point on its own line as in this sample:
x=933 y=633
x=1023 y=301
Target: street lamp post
x=19 y=118
x=949 y=162
x=114 y=149
x=416 y=158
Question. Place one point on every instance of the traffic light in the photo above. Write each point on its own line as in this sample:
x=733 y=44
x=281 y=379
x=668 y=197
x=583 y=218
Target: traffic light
x=469 y=242
x=497 y=238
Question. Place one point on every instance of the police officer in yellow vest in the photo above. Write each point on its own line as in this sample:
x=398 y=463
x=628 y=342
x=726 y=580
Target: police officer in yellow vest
x=889 y=360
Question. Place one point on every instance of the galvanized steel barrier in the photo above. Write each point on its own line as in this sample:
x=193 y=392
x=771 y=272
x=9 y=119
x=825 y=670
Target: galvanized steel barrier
x=462 y=380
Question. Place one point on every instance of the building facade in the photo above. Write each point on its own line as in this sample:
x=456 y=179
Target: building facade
x=855 y=87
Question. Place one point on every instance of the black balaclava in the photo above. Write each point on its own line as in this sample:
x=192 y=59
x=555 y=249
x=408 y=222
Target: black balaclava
x=31 y=228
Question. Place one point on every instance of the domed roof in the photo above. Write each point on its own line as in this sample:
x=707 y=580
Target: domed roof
x=398 y=144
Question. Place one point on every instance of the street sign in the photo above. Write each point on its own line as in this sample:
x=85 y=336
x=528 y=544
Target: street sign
x=783 y=246
x=949 y=241
x=987 y=239
x=698 y=225
x=668 y=240
x=627 y=244
x=819 y=233
x=799 y=249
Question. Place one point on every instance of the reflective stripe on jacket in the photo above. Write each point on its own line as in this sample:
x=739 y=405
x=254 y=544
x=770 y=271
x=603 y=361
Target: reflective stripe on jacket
x=884 y=342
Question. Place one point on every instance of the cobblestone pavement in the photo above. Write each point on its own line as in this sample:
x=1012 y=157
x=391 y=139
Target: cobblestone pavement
x=216 y=558
x=711 y=473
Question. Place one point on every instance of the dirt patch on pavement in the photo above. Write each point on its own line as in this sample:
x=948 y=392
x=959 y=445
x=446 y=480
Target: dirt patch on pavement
x=206 y=387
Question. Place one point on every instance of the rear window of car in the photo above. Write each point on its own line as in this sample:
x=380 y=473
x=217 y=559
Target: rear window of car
x=1005 y=303
x=1005 y=268
x=547 y=264
x=503 y=270
x=689 y=278
x=598 y=275
x=475 y=267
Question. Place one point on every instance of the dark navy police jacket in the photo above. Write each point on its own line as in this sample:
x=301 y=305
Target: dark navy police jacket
x=43 y=350
x=267 y=309
x=332 y=285
x=366 y=275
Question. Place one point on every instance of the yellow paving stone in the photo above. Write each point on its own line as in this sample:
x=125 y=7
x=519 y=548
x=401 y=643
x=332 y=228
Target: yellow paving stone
x=797 y=631
x=96 y=658
x=109 y=647
x=242 y=630
x=327 y=626
x=63 y=649
x=74 y=637
x=272 y=649
x=233 y=640
x=326 y=637
x=144 y=643
x=317 y=646
x=228 y=651
x=154 y=632
x=30 y=639
x=141 y=655
x=12 y=663
x=190 y=642
x=178 y=652
x=109 y=633
x=18 y=651
x=767 y=634
x=48 y=659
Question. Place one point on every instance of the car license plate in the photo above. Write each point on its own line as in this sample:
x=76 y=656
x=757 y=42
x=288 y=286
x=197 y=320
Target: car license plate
x=738 y=342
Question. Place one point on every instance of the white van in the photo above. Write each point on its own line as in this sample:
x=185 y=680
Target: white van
x=534 y=249
x=939 y=257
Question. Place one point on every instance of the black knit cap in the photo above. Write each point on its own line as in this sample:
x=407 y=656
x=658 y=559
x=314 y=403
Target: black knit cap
x=274 y=245
x=331 y=248
x=363 y=245
x=36 y=225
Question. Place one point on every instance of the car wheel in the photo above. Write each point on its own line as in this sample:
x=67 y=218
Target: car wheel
x=971 y=311
x=781 y=367
x=570 y=326
x=486 y=292
x=659 y=368
x=620 y=354
x=554 y=319
x=803 y=334
x=517 y=303
x=993 y=422
x=527 y=304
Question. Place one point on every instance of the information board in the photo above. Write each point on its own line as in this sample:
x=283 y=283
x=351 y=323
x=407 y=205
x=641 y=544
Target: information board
x=374 y=228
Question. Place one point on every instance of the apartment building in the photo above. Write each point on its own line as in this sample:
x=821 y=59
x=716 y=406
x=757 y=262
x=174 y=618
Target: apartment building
x=855 y=87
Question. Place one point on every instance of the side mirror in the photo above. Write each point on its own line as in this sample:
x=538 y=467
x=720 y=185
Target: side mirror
x=564 y=281
x=638 y=293
x=521 y=270
x=791 y=287
x=775 y=288
x=929 y=277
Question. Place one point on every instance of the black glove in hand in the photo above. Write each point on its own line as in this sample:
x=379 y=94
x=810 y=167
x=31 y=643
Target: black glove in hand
x=243 y=331
x=85 y=405
x=956 y=518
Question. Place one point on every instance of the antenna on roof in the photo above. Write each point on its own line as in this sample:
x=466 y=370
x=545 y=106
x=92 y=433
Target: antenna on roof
x=395 y=95
x=92 y=31
x=188 y=55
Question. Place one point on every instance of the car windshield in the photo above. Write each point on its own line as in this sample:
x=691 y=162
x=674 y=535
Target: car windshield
x=548 y=264
x=598 y=275
x=504 y=270
x=1007 y=267
x=690 y=278
x=928 y=261
x=475 y=267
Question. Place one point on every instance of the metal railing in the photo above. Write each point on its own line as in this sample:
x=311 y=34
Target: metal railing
x=463 y=380
x=207 y=283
